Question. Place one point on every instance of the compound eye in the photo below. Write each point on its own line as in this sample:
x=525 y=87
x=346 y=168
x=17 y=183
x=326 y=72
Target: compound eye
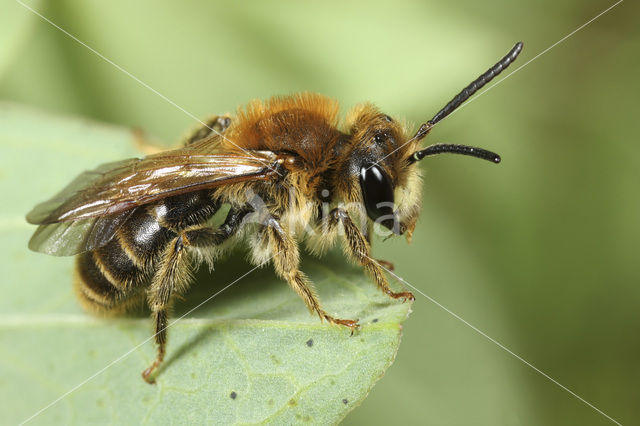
x=377 y=192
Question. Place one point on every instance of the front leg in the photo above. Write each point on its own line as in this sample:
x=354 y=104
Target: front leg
x=367 y=232
x=359 y=249
x=286 y=260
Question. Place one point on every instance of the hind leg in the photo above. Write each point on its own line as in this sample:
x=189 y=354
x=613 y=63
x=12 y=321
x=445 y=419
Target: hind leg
x=144 y=144
x=171 y=278
x=174 y=273
x=214 y=124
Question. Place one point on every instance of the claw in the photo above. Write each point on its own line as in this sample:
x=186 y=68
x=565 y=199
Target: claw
x=146 y=374
x=352 y=324
x=386 y=264
x=405 y=295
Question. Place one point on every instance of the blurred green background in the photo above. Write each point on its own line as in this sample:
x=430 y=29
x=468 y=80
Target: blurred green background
x=540 y=252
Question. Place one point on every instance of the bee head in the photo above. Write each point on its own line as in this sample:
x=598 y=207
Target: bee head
x=377 y=169
x=383 y=157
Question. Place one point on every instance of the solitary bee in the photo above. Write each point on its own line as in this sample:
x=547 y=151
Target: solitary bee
x=285 y=167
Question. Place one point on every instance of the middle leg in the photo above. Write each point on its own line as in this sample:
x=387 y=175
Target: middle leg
x=286 y=260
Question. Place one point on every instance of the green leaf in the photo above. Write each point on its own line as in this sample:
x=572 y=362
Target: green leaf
x=251 y=354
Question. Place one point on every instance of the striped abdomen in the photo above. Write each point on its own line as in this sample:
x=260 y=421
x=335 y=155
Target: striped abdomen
x=113 y=277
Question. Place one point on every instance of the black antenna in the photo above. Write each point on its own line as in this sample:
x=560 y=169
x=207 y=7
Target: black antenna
x=455 y=149
x=468 y=91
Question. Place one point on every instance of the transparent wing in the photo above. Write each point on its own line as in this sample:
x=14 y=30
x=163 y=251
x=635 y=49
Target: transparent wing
x=69 y=238
x=86 y=214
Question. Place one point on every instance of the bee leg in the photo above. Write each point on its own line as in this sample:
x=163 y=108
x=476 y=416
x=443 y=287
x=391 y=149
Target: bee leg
x=144 y=144
x=171 y=277
x=286 y=260
x=207 y=238
x=386 y=264
x=215 y=123
x=174 y=274
x=360 y=250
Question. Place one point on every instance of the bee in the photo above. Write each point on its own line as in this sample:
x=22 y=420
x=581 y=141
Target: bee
x=285 y=168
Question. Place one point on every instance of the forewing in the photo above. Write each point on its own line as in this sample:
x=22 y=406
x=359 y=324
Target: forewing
x=80 y=187
x=86 y=214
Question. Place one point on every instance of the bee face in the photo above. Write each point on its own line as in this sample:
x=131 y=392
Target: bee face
x=378 y=166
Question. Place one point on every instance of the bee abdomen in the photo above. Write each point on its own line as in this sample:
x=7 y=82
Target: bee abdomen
x=108 y=279
x=112 y=277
